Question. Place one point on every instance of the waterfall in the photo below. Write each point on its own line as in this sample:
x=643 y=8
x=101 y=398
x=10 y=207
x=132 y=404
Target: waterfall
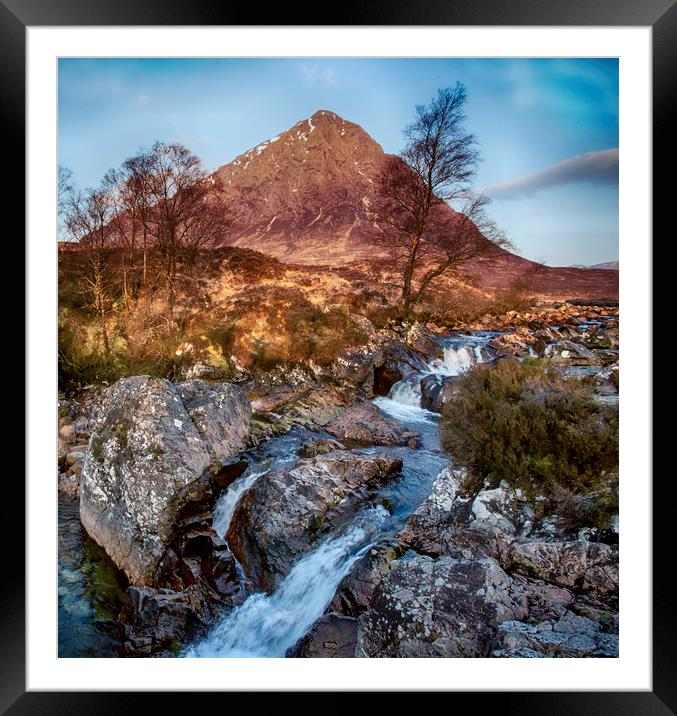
x=267 y=625
x=456 y=360
x=407 y=392
x=225 y=507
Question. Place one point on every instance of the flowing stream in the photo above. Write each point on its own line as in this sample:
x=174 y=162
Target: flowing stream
x=267 y=625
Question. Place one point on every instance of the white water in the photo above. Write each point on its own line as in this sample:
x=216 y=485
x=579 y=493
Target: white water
x=405 y=412
x=225 y=507
x=404 y=399
x=456 y=360
x=407 y=392
x=267 y=625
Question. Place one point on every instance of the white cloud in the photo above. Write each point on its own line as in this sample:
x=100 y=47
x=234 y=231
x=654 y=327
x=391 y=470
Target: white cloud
x=595 y=167
x=312 y=74
x=142 y=99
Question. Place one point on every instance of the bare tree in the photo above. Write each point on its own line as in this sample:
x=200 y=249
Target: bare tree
x=184 y=208
x=416 y=189
x=88 y=216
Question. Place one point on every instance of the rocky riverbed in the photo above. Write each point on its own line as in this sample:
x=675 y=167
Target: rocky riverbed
x=311 y=512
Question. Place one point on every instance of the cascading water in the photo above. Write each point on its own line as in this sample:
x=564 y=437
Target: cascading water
x=267 y=625
x=456 y=360
x=404 y=399
x=225 y=507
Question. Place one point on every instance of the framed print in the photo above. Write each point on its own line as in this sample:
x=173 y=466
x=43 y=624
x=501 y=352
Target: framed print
x=325 y=321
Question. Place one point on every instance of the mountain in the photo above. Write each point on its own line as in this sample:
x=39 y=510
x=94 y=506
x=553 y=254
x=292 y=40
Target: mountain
x=611 y=265
x=304 y=197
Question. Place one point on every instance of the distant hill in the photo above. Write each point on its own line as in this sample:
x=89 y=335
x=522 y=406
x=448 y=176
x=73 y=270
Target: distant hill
x=610 y=265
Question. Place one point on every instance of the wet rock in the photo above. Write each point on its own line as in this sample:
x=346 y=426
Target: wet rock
x=145 y=463
x=69 y=485
x=159 y=621
x=320 y=447
x=332 y=636
x=279 y=518
x=357 y=589
x=437 y=390
x=432 y=527
x=356 y=367
x=444 y=608
x=364 y=424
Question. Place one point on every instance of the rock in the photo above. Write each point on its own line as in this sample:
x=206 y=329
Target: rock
x=146 y=462
x=364 y=424
x=332 y=636
x=357 y=589
x=278 y=519
x=423 y=340
x=76 y=455
x=570 y=636
x=66 y=431
x=437 y=390
x=221 y=413
x=544 y=601
x=356 y=367
x=160 y=620
x=385 y=376
x=443 y=608
x=502 y=508
x=570 y=353
x=511 y=344
x=560 y=563
x=320 y=447
x=69 y=484
x=432 y=527
x=204 y=371
x=590 y=568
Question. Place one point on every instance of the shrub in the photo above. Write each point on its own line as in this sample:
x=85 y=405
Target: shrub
x=526 y=424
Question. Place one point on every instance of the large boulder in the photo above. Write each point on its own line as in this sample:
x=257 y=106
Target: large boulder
x=438 y=608
x=364 y=424
x=220 y=412
x=147 y=460
x=278 y=519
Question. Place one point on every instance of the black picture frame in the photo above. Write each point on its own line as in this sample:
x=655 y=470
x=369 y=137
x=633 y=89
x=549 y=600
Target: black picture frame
x=661 y=15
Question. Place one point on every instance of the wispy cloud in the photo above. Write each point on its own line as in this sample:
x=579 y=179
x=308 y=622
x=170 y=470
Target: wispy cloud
x=312 y=74
x=142 y=99
x=594 y=167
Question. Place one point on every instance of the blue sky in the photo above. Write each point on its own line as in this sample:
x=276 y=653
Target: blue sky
x=546 y=128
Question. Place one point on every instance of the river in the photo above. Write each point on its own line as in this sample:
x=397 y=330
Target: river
x=266 y=625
